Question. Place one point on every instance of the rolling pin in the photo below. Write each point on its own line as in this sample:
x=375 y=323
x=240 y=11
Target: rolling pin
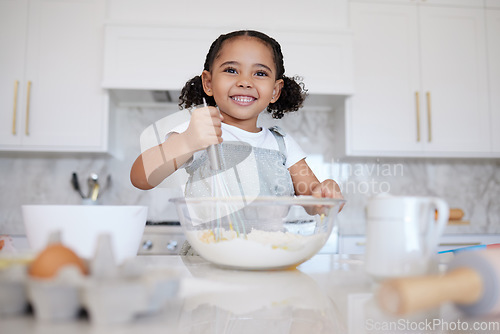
x=472 y=283
x=455 y=214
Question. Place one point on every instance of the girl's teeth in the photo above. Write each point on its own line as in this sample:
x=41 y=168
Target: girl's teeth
x=243 y=98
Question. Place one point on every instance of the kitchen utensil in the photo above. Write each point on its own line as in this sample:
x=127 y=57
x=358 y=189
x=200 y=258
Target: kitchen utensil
x=91 y=181
x=282 y=232
x=402 y=234
x=95 y=191
x=80 y=225
x=456 y=214
x=472 y=282
x=221 y=190
x=213 y=151
x=76 y=185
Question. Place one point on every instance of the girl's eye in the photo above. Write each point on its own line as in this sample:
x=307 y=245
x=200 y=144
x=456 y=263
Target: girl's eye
x=261 y=74
x=230 y=70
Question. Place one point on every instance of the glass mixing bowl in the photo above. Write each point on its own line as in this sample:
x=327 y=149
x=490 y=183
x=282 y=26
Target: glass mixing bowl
x=259 y=233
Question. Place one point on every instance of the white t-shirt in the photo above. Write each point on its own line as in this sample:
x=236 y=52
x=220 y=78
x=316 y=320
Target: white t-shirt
x=262 y=139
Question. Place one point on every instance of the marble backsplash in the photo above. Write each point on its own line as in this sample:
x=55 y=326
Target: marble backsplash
x=470 y=184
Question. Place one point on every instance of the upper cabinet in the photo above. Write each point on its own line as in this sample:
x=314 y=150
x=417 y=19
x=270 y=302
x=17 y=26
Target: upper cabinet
x=492 y=4
x=164 y=58
x=313 y=15
x=13 y=31
x=51 y=70
x=146 y=49
x=493 y=33
x=158 y=58
x=421 y=85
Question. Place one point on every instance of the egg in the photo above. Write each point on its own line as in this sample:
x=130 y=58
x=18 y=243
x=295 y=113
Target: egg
x=53 y=258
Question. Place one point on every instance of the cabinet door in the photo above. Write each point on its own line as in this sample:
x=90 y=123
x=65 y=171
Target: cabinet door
x=64 y=64
x=384 y=114
x=13 y=21
x=493 y=33
x=454 y=79
x=261 y=15
x=154 y=57
x=323 y=60
x=138 y=57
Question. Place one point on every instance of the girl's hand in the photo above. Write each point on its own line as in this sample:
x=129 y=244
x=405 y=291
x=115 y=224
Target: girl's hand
x=204 y=128
x=327 y=188
x=306 y=183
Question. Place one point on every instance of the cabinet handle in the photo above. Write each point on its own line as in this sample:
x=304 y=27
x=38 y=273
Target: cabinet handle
x=429 y=115
x=417 y=102
x=27 y=130
x=14 y=112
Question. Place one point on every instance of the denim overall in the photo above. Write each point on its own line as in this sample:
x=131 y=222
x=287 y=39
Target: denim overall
x=257 y=171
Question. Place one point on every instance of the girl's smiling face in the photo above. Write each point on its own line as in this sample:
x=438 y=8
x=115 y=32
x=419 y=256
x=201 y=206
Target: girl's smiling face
x=243 y=81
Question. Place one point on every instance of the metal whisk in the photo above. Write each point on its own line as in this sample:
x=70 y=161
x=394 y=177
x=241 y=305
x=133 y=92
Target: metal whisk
x=220 y=190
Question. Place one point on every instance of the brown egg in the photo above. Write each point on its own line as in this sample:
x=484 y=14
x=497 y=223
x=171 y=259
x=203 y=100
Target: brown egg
x=52 y=259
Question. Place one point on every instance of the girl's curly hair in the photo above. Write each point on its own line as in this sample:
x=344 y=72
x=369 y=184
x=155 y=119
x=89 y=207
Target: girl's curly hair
x=293 y=92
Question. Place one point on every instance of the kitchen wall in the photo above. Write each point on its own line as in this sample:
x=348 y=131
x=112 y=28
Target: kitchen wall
x=470 y=184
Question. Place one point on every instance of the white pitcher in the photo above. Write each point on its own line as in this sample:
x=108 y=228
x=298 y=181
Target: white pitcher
x=403 y=234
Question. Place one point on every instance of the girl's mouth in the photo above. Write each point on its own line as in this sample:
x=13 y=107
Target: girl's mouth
x=243 y=100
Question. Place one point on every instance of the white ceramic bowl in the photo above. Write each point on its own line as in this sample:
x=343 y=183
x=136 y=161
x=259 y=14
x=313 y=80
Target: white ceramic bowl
x=260 y=233
x=81 y=225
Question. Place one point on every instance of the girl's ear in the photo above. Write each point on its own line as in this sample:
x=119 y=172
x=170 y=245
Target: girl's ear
x=278 y=85
x=206 y=80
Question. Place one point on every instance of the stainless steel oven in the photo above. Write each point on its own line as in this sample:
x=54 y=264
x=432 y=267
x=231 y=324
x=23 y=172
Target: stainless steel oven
x=161 y=238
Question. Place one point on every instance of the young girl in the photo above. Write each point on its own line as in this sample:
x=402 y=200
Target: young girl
x=243 y=75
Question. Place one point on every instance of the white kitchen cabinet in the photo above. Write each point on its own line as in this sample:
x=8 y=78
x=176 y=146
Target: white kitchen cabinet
x=322 y=59
x=291 y=15
x=493 y=33
x=492 y=4
x=164 y=58
x=145 y=49
x=420 y=76
x=352 y=244
x=13 y=30
x=51 y=99
x=145 y=57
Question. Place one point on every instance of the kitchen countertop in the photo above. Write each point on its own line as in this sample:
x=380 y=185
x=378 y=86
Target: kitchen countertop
x=328 y=294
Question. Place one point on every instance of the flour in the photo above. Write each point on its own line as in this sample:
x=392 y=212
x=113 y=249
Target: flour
x=260 y=249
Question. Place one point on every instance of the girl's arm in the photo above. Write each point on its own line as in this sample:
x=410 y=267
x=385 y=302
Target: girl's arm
x=159 y=162
x=306 y=183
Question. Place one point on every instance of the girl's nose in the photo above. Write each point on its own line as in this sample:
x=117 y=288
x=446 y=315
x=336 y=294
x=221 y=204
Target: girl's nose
x=244 y=82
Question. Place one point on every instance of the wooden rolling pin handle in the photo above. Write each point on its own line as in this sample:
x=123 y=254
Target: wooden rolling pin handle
x=455 y=214
x=403 y=296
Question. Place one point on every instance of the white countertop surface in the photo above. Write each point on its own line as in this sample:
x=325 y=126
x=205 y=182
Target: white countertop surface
x=327 y=294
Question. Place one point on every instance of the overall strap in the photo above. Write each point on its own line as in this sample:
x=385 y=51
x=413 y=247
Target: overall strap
x=279 y=134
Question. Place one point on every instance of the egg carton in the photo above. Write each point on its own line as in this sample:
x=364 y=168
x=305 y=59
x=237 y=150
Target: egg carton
x=110 y=293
